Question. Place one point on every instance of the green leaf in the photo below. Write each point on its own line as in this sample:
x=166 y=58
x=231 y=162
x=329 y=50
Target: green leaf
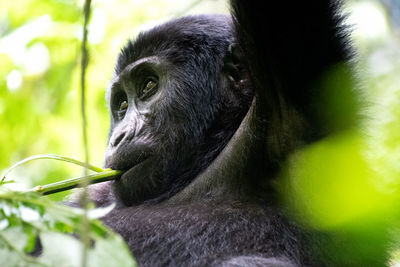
x=60 y=250
x=118 y=254
x=26 y=216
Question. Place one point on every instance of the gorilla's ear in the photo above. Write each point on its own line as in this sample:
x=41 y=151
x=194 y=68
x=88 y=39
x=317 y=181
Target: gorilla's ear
x=233 y=65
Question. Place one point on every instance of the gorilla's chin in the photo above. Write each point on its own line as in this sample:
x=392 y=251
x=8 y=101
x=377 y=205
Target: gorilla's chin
x=139 y=183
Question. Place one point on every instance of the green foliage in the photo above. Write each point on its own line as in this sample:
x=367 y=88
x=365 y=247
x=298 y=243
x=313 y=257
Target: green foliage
x=25 y=217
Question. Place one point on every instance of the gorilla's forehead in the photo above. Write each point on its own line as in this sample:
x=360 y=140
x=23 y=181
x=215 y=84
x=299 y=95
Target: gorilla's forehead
x=180 y=38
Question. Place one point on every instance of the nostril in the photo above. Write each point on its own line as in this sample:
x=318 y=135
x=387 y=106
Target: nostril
x=118 y=139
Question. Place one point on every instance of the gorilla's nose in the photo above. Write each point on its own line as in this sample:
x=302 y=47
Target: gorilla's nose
x=116 y=138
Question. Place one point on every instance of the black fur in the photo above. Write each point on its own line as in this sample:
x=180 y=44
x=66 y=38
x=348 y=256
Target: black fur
x=234 y=98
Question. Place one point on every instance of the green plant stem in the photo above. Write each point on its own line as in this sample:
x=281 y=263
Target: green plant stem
x=84 y=64
x=85 y=181
x=51 y=156
x=76 y=182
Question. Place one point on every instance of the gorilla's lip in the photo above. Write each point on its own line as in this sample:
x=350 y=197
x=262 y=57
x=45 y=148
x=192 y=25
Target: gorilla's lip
x=126 y=162
x=135 y=165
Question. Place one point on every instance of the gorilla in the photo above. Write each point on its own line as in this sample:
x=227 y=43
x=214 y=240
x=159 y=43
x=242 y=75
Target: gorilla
x=205 y=110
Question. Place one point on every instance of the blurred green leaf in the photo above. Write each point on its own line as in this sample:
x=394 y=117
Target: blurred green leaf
x=26 y=217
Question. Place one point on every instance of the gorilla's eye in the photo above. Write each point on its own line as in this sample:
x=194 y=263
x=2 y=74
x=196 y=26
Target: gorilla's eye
x=123 y=106
x=149 y=87
x=120 y=104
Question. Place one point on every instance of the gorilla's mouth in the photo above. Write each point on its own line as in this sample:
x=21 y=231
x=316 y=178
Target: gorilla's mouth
x=136 y=168
x=124 y=162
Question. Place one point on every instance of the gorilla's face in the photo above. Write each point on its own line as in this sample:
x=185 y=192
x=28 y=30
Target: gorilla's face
x=135 y=95
x=173 y=106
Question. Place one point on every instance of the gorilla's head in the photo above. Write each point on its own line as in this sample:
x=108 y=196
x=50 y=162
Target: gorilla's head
x=178 y=94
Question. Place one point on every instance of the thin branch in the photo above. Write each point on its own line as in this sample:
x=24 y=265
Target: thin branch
x=84 y=64
x=85 y=182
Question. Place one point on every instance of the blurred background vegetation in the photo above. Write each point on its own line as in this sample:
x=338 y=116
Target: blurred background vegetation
x=40 y=108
